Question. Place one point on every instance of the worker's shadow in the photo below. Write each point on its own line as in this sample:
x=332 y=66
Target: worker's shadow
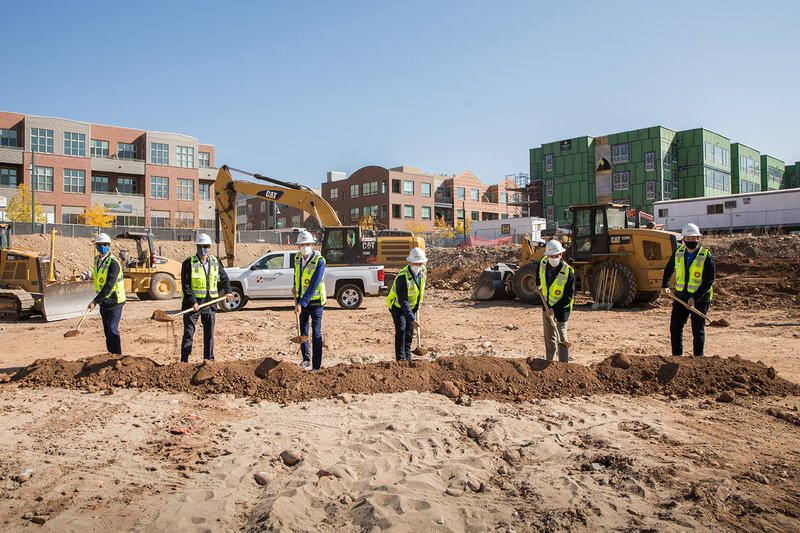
x=776 y=324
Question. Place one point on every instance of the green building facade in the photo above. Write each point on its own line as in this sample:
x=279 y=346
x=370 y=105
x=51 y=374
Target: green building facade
x=704 y=163
x=745 y=169
x=791 y=177
x=772 y=172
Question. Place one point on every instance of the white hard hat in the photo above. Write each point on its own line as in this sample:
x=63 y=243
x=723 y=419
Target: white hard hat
x=203 y=238
x=417 y=255
x=305 y=237
x=102 y=238
x=553 y=247
x=691 y=230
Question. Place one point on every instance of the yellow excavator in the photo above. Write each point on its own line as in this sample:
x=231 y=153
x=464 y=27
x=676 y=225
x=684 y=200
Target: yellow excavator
x=341 y=245
x=148 y=275
x=28 y=286
x=617 y=263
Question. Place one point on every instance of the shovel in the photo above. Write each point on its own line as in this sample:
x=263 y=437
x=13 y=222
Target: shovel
x=161 y=316
x=561 y=342
x=299 y=339
x=77 y=331
x=709 y=322
x=419 y=350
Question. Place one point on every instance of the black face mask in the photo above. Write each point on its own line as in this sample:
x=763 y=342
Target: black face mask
x=691 y=245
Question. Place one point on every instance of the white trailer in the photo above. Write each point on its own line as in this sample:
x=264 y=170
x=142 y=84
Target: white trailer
x=767 y=210
x=511 y=229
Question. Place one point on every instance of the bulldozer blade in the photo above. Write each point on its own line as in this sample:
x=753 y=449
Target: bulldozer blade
x=66 y=300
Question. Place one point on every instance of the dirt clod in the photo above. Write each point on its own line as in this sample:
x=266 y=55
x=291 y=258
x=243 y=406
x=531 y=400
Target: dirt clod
x=726 y=397
x=449 y=389
x=291 y=457
x=620 y=360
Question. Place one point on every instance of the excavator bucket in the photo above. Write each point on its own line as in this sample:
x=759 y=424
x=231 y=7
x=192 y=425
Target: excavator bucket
x=66 y=300
x=492 y=283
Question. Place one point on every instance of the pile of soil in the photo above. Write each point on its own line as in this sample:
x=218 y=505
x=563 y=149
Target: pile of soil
x=507 y=380
x=459 y=268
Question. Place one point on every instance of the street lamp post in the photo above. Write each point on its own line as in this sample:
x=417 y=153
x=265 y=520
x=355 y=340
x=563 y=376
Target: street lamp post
x=33 y=194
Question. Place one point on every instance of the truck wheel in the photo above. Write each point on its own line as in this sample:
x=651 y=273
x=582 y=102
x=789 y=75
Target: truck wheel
x=239 y=301
x=620 y=277
x=350 y=296
x=163 y=286
x=525 y=283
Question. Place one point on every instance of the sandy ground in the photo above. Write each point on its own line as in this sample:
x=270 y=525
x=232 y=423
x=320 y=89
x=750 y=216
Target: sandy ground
x=146 y=460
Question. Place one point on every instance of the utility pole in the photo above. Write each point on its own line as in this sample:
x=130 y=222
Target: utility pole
x=464 y=219
x=33 y=194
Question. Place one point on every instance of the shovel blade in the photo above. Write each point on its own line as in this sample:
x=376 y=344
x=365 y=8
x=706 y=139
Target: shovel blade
x=72 y=333
x=161 y=316
x=420 y=351
x=299 y=339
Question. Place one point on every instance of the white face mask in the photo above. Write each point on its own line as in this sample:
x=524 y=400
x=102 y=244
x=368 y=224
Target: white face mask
x=554 y=261
x=416 y=269
x=305 y=250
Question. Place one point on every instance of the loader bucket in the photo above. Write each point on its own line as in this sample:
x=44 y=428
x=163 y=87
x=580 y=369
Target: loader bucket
x=491 y=284
x=66 y=300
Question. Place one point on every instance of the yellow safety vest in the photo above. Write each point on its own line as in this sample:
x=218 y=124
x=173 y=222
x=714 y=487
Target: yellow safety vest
x=101 y=273
x=554 y=292
x=303 y=279
x=415 y=292
x=695 y=271
x=205 y=286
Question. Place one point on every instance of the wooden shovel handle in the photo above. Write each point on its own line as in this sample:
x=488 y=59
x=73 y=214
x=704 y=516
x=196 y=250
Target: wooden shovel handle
x=692 y=309
x=85 y=314
x=191 y=310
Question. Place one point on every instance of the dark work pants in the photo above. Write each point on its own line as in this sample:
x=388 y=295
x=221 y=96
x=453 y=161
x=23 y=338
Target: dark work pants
x=403 y=335
x=315 y=315
x=678 y=320
x=207 y=316
x=111 y=316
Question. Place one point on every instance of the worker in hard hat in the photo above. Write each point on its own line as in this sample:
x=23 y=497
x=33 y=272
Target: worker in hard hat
x=109 y=287
x=404 y=300
x=310 y=297
x=203 y=279
x=695 y=270
x=556 y=287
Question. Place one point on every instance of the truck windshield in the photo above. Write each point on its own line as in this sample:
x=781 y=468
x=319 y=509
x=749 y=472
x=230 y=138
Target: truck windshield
x=617 y=216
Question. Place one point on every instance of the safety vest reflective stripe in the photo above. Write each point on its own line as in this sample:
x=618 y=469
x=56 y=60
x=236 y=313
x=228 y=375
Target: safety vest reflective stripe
x=205 y=285
x=695 y=270
x=303 y=279
x=415 y=293
x=555 y=291
x=101 y=274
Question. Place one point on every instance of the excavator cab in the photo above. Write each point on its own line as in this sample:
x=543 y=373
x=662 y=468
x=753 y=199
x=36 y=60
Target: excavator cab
x=590 y=227
x=345 y=245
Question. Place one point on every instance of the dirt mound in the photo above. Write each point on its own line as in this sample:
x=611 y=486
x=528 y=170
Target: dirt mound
x=508 y=380
x=458 y=268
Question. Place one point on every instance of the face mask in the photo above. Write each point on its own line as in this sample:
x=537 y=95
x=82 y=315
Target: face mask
x=202 y=251
x=305 y=250
x=103 y=249
x=416 y=269
x=691 y=245
x=554 y=261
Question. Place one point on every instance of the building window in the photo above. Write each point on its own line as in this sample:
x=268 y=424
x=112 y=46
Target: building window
x=459 y=193
x=204 y=161
x=370 y=210
x=504 y=198
x=650 y=161
x=663 y=213
x=548 y=188
x=8 y=177
x=354 y=191
x=185 y=189
x=548 y=163
x=70 y=218
x=159 y=154
x=425 y=189
x=408 y=187
x=619 y=153
x=297 y=221
x=370 y=189
x=383 y=187
x=426 y=212
x=184 y=219
x=126 y=186
x=408 y=211
x=650 y=190
x=204 y=190
x=159 y=219
x=334 y=194
x=159 y=187
x=74 y=144
x=668 y=162
x=395 y=210
x=459 y=214
x=241 y=210
x=98 y=148
x=41 y=141
x=100 y=184
x=551 y=213
x=621 y=181
x=185 y=157
x=475 y=195
x=74 y=181
x=126 y=151
x=718 y=181
x=714 y=209
x=474 y=215
x=8 y=138
x=354 y=216
x=43 y=179
x=396 y=186
x=207 y=223
x=384 y=212
x=709 y=151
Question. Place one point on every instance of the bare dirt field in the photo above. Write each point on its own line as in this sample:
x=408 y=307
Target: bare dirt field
x=480 y=435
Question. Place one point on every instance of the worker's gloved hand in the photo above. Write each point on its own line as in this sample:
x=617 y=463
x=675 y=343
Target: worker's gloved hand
x=91 y=306
x=550 y=313
x=690 y=303
x=196 y=307
x=537 y=289
x=416 y=324
x=229 y=297
x=298 y=309
x=665 y=291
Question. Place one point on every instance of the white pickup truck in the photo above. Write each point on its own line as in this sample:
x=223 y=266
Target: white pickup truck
x=271 y=277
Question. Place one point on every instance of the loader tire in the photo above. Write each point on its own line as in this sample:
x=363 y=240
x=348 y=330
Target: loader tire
x=626 y=289
x=163 y=286
x=525 y=282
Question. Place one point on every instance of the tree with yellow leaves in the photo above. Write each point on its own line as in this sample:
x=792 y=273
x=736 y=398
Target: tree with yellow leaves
x=19 y=207
x=97 y=216
x=442 y=228
x=415 y=226
x=459 y=227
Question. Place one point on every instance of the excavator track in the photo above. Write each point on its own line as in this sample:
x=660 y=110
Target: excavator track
x=16 y=303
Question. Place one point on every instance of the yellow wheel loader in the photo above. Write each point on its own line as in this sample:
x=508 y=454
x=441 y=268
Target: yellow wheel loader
x=147 y=275
x=28 y=286
x=618 y=264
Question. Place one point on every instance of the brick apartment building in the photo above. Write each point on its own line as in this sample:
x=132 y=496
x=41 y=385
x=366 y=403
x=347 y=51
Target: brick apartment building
x=402 y=196
x=258 y=214
x=144 y=178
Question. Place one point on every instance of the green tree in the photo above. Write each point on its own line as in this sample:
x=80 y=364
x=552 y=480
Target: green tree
x=19 y=207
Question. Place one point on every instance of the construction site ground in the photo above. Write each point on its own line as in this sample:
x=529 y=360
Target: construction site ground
x=479 y=435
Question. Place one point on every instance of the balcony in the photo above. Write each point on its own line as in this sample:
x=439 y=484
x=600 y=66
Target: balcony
x=11 y=155
x=208 y=173
x=120 y=166
x=442 y=200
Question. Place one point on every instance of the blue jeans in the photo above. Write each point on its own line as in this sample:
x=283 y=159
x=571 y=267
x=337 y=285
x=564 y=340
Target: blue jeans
x=207 y=317
x=111 y=316
x=315 y=314
x=403 y=335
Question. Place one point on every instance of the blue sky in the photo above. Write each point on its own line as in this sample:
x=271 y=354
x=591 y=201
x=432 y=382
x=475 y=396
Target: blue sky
x=294 y=89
